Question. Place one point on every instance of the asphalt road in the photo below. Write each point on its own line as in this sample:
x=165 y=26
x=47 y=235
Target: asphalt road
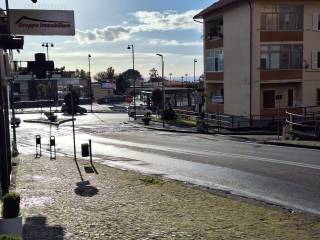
x=289 y=177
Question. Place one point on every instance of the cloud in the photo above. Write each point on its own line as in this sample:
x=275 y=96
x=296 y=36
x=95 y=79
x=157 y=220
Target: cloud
x=146 y=22
x=164 y=42
x=168 y=20
x=107 y=34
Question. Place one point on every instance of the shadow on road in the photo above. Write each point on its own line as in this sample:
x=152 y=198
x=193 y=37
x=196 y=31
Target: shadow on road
x=37 y=228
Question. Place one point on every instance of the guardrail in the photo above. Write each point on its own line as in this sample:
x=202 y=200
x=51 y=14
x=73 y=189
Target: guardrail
x=307 y=124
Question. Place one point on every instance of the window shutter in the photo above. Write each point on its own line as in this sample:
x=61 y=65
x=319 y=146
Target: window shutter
x=314 y=59
x=316 y=26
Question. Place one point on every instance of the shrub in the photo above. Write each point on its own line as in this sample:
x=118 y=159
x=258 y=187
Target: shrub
x=9 y=237
x=11 y=205
x=169 y=114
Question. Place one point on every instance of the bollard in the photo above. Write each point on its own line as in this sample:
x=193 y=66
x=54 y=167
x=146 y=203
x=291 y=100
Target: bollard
x=53 y=154
x=38 y=146
x=86 y=150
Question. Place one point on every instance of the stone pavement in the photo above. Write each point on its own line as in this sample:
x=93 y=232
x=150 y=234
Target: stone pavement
x=115 y=204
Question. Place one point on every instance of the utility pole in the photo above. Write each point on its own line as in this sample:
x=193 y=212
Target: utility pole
x=134 y=81
x=90 y=81
x=194 y=70
x=163 y=89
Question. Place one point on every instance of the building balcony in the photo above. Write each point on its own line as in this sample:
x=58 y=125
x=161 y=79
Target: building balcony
x=281 y=36
x=213 y=43
x=279 y=74
x=214 y=76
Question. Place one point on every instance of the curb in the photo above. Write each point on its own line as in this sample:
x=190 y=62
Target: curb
x=291 y=145
x=171 y=130
x=49 y=122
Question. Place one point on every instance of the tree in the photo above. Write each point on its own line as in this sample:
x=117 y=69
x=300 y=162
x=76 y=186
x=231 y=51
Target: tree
x=100 y=76
x=153 y=75
x=80 y=74
x=122 y=84
x=110 y=73
x=156 y=97
x=105 y=75
x=132 y=75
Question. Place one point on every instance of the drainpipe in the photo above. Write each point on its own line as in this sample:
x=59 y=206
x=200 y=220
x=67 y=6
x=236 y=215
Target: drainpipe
x=203 y=105
x=251 y=51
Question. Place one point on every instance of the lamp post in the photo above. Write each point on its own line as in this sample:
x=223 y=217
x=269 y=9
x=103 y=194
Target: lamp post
x=90 y=83
x=47 y=45
x=163 y=88
x=194 y=70
x=134 y=81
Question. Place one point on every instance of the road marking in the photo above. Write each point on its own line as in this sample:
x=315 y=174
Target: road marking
x=213 y=153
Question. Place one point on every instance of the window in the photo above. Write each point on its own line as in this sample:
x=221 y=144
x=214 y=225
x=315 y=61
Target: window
x=316 y=21
x=290 y=97
x=315 y=59
x=269 y=99
x=214 y=60
x=281 y=57
x=318 y=97
x=282 y=17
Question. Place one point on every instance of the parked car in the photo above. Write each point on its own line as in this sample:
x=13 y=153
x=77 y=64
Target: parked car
x=119 y=108
x=140 y=111
x=78 y=109
x=15 y=121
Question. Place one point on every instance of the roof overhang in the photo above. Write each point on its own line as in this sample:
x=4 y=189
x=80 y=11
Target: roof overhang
x=215 y=7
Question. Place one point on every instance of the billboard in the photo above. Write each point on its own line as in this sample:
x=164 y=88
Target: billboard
x=41 y=22
x=106 y=85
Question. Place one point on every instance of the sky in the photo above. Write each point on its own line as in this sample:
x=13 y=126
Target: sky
x=104 y=28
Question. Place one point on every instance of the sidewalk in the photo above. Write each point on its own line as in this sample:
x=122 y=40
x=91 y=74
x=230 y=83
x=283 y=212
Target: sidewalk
x=115 y=204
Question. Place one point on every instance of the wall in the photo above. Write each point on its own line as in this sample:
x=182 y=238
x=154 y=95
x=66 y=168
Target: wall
x=237 y=60
x=311 y=43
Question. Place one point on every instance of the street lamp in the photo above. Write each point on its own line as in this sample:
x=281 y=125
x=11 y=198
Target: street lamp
x=90 y=83
x=163 y=88
x=194 y=70
x=47 y=45
x=134 y=81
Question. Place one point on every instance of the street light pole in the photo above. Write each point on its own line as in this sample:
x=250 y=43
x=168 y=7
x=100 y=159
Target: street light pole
x=47 y=45
x=194 y=70
x=163 y=88
x=134 y=81
x=90 y=81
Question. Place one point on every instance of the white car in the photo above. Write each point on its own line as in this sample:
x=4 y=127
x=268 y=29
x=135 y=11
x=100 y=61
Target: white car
x=140 y=111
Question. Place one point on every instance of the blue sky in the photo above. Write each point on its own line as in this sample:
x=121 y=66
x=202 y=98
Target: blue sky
x=105 y=28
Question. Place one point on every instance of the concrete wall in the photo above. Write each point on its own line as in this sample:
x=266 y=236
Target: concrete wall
x=237 y=60
x=311 y=77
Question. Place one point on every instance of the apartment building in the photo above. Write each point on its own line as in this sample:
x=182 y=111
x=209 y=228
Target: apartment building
x=261 y=56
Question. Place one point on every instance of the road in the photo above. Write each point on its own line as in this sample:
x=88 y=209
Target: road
x=288 y=177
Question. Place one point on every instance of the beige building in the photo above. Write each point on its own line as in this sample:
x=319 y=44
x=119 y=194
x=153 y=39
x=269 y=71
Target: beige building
x=260 y=55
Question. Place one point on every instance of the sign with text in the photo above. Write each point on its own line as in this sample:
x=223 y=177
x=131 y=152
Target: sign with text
x=41 y=22
x=108 y=85
x=217 y=99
